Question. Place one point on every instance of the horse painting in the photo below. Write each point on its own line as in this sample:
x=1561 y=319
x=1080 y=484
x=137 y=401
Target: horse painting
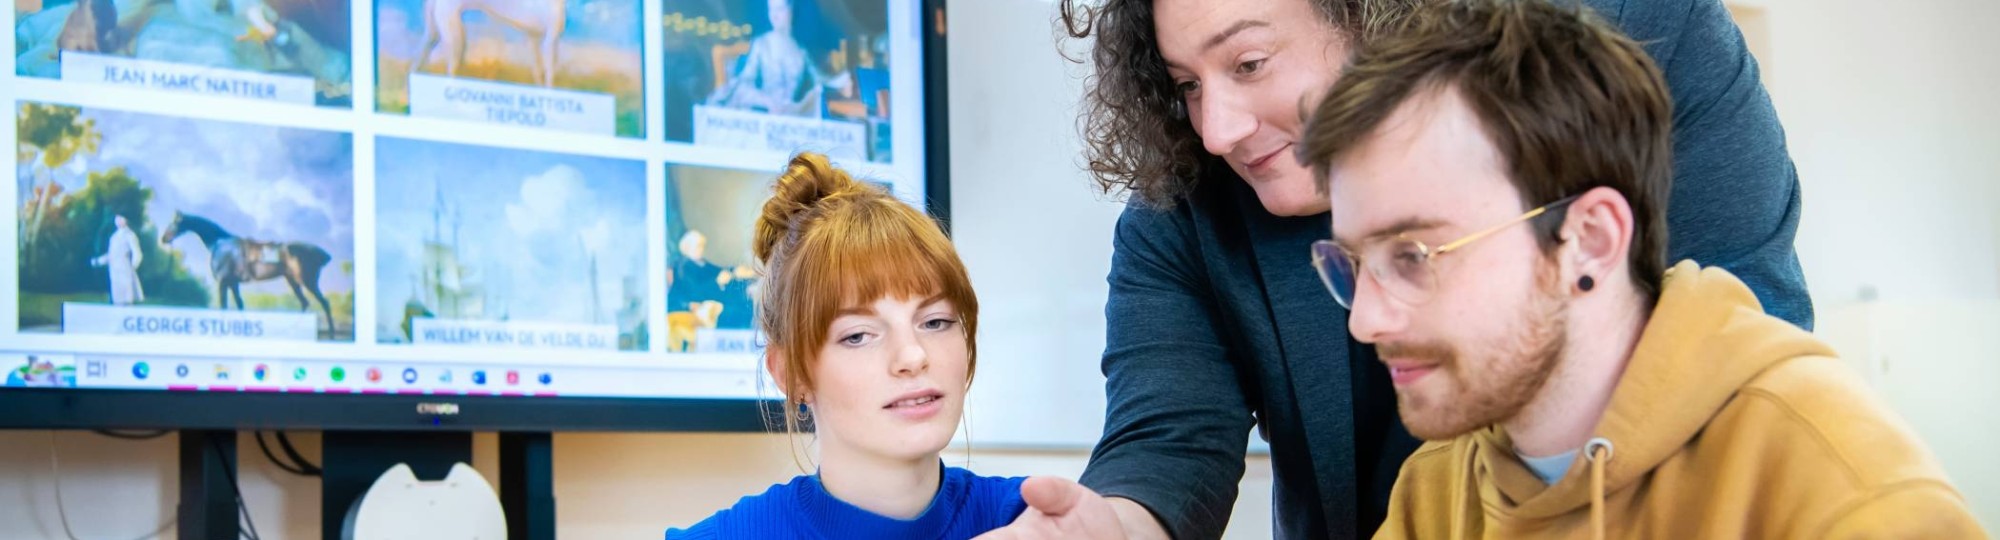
x=234 y=260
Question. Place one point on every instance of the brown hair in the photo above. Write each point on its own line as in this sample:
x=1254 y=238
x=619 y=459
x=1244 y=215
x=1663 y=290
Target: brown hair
x=828 y=242
x=1135 y=123
x=1568 y=101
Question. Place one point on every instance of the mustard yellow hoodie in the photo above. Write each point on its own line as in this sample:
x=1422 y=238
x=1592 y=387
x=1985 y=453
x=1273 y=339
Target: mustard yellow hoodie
x=1727 y=423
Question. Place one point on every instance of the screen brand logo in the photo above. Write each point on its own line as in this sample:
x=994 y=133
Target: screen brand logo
x=437 y=409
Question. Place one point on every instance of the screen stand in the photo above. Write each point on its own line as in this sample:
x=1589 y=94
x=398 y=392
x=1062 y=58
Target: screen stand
x=527 y=485
x=208 y=492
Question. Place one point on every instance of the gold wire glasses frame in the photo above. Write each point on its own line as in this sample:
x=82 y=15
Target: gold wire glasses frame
x=1407 y=273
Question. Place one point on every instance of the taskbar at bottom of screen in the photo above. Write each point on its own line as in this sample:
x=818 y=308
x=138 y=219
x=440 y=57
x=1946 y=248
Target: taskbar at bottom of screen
x=196 y=374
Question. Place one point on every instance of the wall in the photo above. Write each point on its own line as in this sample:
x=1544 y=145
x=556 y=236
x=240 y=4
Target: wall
x=1034 y=235
x=1889 y=113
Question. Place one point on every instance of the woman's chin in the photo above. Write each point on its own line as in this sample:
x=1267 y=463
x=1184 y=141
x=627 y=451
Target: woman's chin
x=1288 y=204
x=923 y=442
x=1290 y=193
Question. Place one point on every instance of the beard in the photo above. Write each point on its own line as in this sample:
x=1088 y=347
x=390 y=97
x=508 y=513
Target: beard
x=1487 y=390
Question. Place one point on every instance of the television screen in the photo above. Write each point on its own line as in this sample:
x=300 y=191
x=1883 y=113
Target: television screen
x=538 y=200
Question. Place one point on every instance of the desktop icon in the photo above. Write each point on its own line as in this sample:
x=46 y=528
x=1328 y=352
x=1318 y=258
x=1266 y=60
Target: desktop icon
x=221 y=372
x=513 y=377
x=374 y=375
x=298 y=374
x=409 y=375
x=181 y=371
x=259 y=372
x=141 y=370
x=94 y=369
x=479 y=377
x=444 y=377
x=339 y=374
x=545 y=379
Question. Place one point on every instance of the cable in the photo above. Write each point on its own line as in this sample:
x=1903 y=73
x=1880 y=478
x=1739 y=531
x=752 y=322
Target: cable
x=133 y=436
x=229 y=471
x=55 y=467
x=290 y=468
x=293 y=453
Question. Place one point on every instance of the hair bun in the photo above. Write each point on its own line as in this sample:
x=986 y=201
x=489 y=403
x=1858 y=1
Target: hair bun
x=809 y=180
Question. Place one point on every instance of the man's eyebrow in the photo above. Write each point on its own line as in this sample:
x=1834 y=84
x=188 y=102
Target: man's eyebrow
x=1401 y=226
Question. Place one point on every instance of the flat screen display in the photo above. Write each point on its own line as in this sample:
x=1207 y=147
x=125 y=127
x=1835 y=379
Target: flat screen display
x=519 y=198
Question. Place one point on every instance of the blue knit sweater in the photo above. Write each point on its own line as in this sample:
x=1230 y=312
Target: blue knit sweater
x=965 y=506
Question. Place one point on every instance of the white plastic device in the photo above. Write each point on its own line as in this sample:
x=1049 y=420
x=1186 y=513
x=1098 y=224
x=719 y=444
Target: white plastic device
x=399 y=506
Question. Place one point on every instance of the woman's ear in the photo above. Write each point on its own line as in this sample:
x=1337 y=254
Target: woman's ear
x=774 y=363
x=1597 y=237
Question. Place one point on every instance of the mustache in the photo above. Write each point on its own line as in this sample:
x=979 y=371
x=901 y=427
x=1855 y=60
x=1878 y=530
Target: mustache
x=1428 y=350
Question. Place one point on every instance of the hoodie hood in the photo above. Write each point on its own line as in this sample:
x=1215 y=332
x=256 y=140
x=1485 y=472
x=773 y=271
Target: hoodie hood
x=1706 y=339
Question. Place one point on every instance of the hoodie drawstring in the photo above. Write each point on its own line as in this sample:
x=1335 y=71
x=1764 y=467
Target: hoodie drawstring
x=1597 y=451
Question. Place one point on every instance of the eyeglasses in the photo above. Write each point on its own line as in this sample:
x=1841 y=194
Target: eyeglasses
x=1400 y=265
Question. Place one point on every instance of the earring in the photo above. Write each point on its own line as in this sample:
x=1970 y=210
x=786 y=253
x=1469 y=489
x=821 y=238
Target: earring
x=1586 y=283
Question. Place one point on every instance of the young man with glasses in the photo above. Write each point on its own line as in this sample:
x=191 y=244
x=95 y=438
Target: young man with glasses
x=1498 y=173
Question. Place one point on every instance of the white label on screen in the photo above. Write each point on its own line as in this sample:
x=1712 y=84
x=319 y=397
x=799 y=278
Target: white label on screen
x=501 y=103
x=731 y=128
x=171 y=77
x=711 y=340
x=190 y=322
x=514 y=334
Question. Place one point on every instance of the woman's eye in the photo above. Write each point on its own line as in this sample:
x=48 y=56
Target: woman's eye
x=854 y=338
x=939 y=324
x=1250 y=66
x=1186 y=88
